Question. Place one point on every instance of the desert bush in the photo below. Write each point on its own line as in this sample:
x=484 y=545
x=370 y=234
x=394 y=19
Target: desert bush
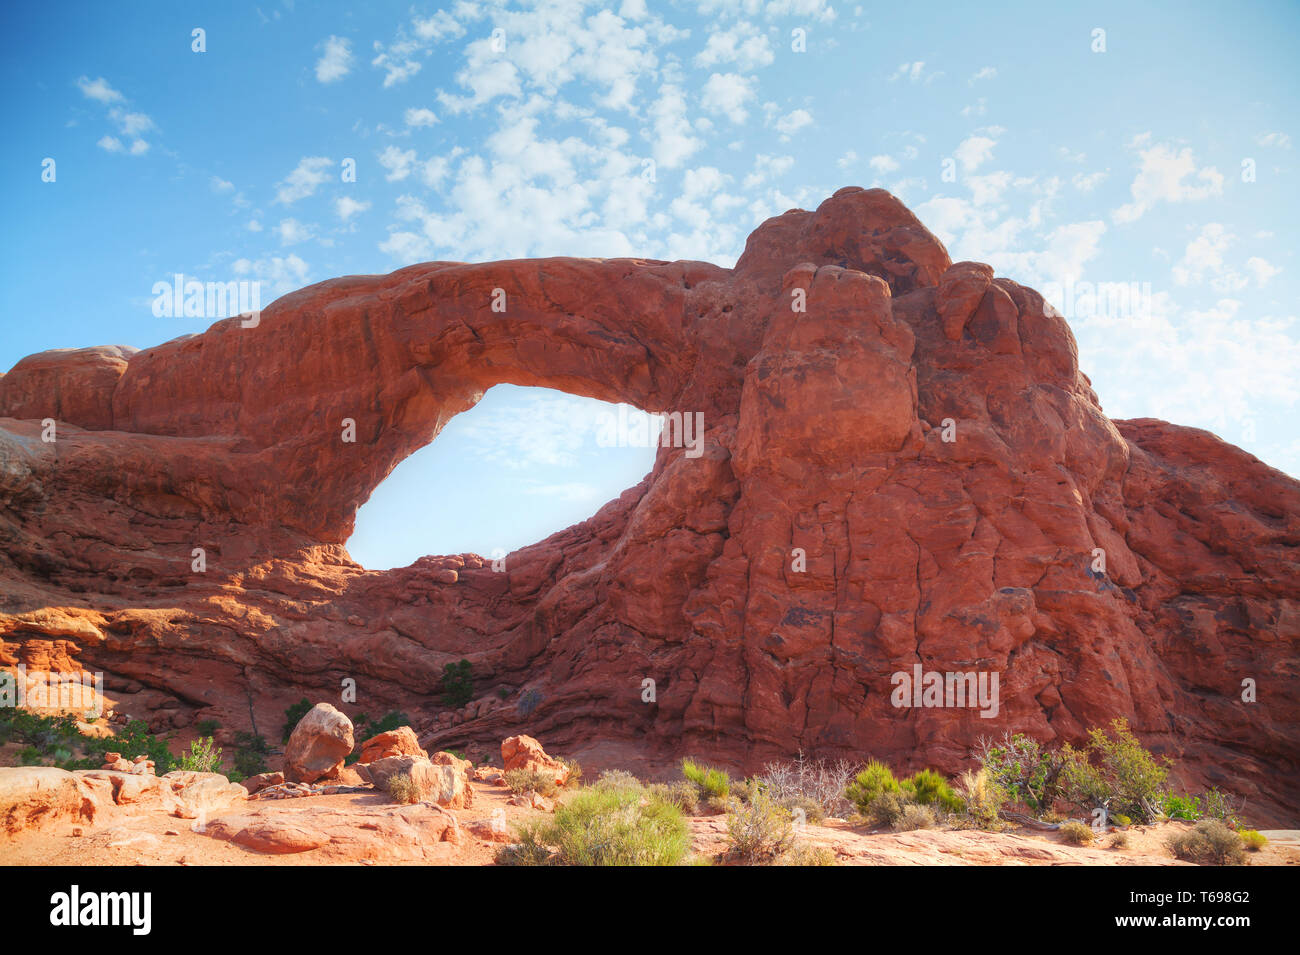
x=250 y=755
x=802 y=781
x=811 y=809
x=403 y=789
x=1076 y=833
x=682 y=794
x=293 y=716
x=802 y=854
x=1181 y=807
x=575 y=770
x=886 y=809
x=1119 y=819
x=604 y=825
x=929 y=788
x=874 y=780
x=984 y=798
x=1222 y=807
x=618 y=779
x=202 y=757
x=1209 y=843
x=1119 y=840
x=1024 y=769
x=1114 y=770
x=758 y=830
x=711 y=782
x=915 y=816
x=529 y=780
x=457 y=684
x=207 y=727
x=1253 y=840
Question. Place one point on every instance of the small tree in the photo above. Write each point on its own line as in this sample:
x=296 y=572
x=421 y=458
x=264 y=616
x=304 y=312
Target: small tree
x=457 y=684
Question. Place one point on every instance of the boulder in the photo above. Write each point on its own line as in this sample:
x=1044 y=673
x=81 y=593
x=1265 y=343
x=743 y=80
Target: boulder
x=524 y=752
x=319 y=744
x=261 y=781
x=442 y=783
x=32 y=797
x=398 y=742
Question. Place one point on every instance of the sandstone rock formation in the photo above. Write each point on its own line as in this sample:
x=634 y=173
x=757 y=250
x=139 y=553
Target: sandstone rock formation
x=318 y=745
x=912 y=470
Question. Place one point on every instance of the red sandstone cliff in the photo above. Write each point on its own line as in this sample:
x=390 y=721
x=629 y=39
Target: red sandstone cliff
x=824 y=431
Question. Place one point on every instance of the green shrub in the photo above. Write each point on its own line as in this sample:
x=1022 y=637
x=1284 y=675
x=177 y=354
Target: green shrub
x=758 y=830
x=250 y=756
x=1221 y=806
x=873 y=781
x=929 y=788
x=1114 y=771
x=984 y=798
x=1181 y=807
x=529 y=780
x=712 y=783
x=1253 y=839
x=457 y=684
x=202 y=757
x=1209 y=843
x=915 y=816
x=604 y=825
x=135 y=739
x=1024 y=769
x=618 y=779
x=1076 y=833
x=886 y=809
x=293 y=716
x=207 y=727
x=1119 y=819
x=29 y=756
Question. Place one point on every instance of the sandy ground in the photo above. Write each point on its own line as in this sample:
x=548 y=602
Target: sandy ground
x=155 y=838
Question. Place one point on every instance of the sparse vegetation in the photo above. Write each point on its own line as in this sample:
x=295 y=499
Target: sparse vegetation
x=207 y=727
x=758 y=830
x=802 y=782
x=915 y=816
x=203 y=756
x=608 y=823
x=403 y=789
x=874 y=781
x=293 y=716
x=1075 y=833
x=529 y=780
x=682 y=794
x=802 y=854
x=984 y=799
x=1024 y=769
x=574 y=768
x=457 y=684
x=250 y=756
x=929 y=788
x=1253 y=840
x=1210 y=842
x=712 y=783
x=1114 y=771
x=1119 y=840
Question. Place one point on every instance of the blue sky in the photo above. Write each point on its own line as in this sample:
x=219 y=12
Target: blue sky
x=1007 y=131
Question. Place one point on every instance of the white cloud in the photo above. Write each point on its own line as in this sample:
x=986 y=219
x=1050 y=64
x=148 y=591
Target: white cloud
x=336 y=60
x=99 y=90
x=909 y=71
x=221 y=185
x=792 y=122
x=347 y=207
x=672 y=141
x=984 y=73
x=1204 y=254
x=726 y=94
x=849 y=158
x=1168 y=175
x=1281 y=140
x=882 y=164
x=305 y=179
x=768 y=167
x=292 y=232
x=420 y=117
x=1262 y=269
x=398 y=162
x=110 y=143
x=1088 y=182
x=741 y=45
x=974 y=151
x=280 y=275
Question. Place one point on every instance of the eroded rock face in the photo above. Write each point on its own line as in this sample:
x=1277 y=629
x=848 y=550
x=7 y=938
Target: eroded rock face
x=911 y=470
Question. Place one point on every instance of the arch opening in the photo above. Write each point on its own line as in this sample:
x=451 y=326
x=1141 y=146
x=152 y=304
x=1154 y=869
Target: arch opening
x=520 y=465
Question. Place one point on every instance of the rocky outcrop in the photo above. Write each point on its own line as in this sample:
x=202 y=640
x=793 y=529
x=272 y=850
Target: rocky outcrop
x=902 y=466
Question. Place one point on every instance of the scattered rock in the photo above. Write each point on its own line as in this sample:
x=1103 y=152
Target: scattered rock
x=399 y=742
x=524 y=752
